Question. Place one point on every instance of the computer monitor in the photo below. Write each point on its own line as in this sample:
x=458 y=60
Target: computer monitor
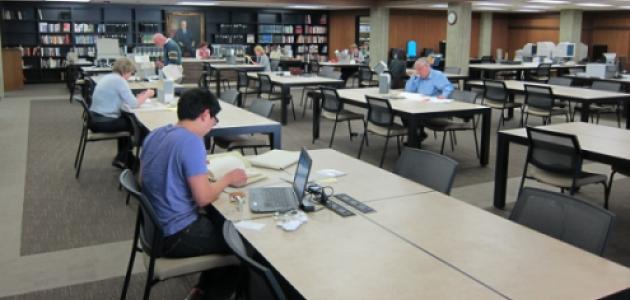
x=534 y=50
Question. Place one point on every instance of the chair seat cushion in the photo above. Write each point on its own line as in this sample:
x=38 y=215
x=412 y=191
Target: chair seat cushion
x=166 y=268
x=97 y=136
x=395 y=130
x=344 y=115
x=501 y=105
x=564 y=181
x=446 y=124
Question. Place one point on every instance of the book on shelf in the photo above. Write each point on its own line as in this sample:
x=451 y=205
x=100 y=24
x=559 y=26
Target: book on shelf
x=12 y=15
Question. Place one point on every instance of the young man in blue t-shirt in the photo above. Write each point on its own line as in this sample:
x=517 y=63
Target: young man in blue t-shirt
x=175 y=180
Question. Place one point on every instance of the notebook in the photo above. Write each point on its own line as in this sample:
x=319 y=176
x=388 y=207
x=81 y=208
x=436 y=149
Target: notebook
x=275 y=159
x=223 y=163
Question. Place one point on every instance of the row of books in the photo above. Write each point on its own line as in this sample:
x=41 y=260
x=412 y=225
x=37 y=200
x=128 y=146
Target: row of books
x=53 y=51
x=112 y=28
x=12 y=14
x=312 y=39
x=30 y=51
x=51 y=63
x=315 y=29
x=233 y=28
x=84 y=28
x=314 y=49
x=276 y=39
x=231 y=38
x=323 y=19
x=53 y=27
x=85 y=51
x=55 y=39
x=85 y=39
x=149 y=27
x=287 y=29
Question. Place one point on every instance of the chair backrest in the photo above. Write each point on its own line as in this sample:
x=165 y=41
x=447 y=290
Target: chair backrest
x=265 y=83
x=427 y=168
x=230 y=96
x=563 y=81
x=314 y=66
x=563 y=217
x=543 y=69
x=554 y=151
x=151 y=233
x=465 y=96
x=380 y=111
x=136 y=132
x=88 y=91
x=87 y=114
x=262 y=107
x=365 y=73
x=274 y=65
x=243 y=80
x=452 y=70
x=540 y=97
x=606 y=86
x=487 y=59
x=331 y=101
x=495 y=90
x=258 y=272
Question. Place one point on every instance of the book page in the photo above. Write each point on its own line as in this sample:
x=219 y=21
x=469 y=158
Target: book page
x=275 y=159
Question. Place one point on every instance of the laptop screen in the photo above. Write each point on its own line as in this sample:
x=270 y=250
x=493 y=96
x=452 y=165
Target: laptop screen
x=301 y=174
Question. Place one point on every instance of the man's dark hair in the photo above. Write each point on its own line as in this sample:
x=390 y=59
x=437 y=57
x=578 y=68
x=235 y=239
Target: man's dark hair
x=193 y=102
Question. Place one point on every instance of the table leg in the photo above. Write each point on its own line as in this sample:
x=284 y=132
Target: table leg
x=316 y=112
x=275 y=138
x=285 y=104
x=486 y=121
x=626 y=112
x=585 y=112
x=412 y=132
x=218 y=83
x=500 y=172
x=510 y=110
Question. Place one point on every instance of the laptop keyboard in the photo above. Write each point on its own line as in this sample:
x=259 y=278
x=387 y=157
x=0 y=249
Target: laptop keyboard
x=269 y=199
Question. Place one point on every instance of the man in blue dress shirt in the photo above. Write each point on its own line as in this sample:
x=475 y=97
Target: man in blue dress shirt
x=428 y=82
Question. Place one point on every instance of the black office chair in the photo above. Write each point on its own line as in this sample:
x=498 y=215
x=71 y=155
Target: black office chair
x=244 y=86
x=268 y=92
x=623 y=169
x=231 y=96
x=260 y=107
x=366 y=78
x=496 y=96
x=380 y=121
x=542 y=73
x=563 y=217
x=556 y=160
x=598 y=109
x=87 y=136
x=332 y=109
x=540 y=102
x=149 y=234
x=210 y=75
x=562 y=81
x=274 y=65
x=427 y=168
x=450 y=125
x=488 y=59
x=258 y=275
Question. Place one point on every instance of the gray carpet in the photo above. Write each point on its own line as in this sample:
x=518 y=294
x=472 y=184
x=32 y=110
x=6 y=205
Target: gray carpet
x=61 y=212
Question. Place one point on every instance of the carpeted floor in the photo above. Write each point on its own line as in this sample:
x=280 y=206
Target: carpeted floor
x=62 y=213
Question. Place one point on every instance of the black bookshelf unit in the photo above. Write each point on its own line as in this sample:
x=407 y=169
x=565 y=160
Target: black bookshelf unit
x=48 y=31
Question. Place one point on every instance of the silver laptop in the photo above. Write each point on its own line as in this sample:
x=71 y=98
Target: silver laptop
x=282 y=199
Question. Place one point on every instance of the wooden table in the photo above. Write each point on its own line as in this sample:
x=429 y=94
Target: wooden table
x=420 y=245
x=287 y=82
x=493 y=68
x=220 y=67
x=579 y=80
x=233 y=121
x=414 y=112
x=586 y=97
x=517 y=262
x=599 y=143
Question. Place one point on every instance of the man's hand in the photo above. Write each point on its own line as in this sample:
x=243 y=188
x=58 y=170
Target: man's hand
x=441 y=97
x=159 y=64
x=236 y=178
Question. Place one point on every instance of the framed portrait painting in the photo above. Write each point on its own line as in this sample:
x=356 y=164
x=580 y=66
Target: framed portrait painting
x=187 y=29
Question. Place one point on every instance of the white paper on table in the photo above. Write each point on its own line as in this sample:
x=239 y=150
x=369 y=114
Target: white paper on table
x=250 y=225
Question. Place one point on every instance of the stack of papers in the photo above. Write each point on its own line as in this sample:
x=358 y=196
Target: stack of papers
x=275 y=159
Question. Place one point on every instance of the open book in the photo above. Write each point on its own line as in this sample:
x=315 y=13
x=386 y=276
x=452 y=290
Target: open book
x=275 y=159
x=223 y=163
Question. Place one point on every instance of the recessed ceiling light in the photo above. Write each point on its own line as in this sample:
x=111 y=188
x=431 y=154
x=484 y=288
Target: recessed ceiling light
x=306 y=6
x=197 y=3
x=591 y=4
x=550 y=1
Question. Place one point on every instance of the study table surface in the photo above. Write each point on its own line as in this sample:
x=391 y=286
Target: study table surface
x=598 y=143
x=232 y=121
x=415 y=111
x=136 y=85
x=450 y=76
x=518 y=262
x=421 y=245
x=492 y=68
x=287 y=82
x=585 y=96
